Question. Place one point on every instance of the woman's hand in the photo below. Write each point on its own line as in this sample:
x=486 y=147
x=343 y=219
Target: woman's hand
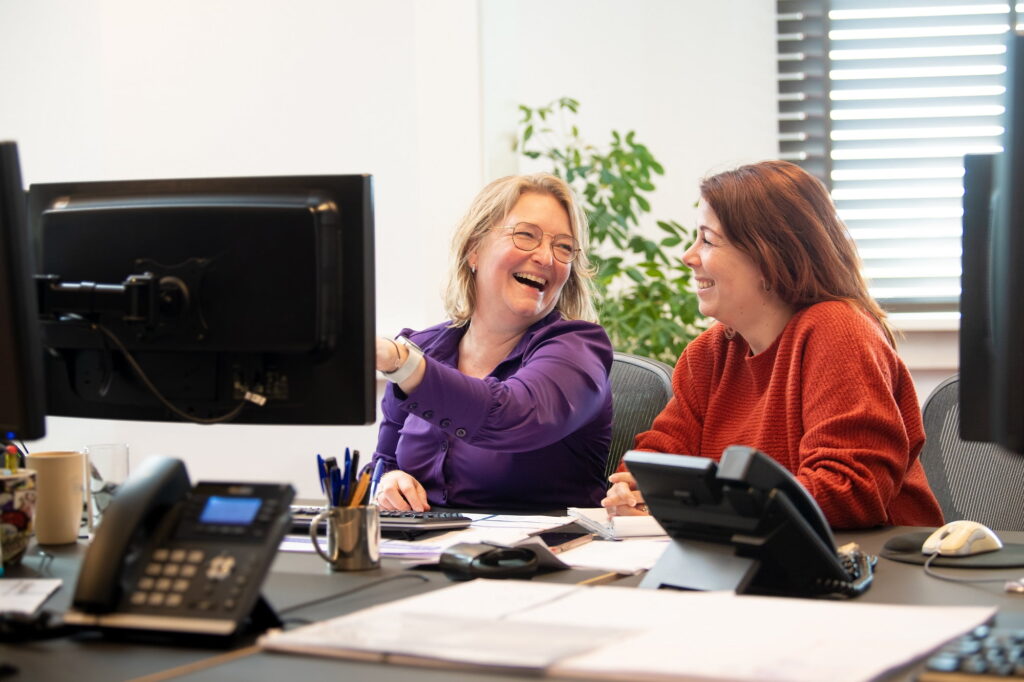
x=399 y=491
x=389 y=355
x=623 y=498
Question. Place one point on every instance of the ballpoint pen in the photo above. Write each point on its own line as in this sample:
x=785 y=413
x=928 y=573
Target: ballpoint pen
x=347 y=476
x=321 y=473
x=355 y=467
x=334 y=498
x=378 y=469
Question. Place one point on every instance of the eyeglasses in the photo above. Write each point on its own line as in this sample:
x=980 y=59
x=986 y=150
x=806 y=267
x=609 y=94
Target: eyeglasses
x=527 y=237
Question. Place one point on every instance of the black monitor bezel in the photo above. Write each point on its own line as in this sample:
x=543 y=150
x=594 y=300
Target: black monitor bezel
x=992 y=282
x=24 y=416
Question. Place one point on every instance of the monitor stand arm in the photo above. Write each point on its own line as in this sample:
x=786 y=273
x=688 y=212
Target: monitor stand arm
x=134 y=300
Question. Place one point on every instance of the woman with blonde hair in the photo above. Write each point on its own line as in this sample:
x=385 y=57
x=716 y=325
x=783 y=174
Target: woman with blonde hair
x=801 y=363
x=507 y=404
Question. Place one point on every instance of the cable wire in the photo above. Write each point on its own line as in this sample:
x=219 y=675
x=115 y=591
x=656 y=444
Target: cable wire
x=928 y=570
x=96 y=326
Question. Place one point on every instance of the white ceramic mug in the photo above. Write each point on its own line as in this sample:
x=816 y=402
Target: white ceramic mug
x=60 y=478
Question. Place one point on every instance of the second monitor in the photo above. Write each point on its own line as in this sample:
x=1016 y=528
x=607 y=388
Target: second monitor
x=194 y=299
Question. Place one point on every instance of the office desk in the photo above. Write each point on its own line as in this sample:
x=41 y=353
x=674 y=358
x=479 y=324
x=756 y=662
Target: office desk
x=297 y=578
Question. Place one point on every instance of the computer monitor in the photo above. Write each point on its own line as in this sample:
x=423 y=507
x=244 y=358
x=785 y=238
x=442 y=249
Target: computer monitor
x=21 y=399
x=199 y=299
x=992 y=280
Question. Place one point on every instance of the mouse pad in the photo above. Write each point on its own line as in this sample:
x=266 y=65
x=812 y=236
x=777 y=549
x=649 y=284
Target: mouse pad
x=907 y=548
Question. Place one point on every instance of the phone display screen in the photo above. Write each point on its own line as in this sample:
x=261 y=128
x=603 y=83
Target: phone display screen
x=239 y=511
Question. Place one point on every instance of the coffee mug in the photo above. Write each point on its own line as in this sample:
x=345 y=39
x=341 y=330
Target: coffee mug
x=353 y=537
x=60 y=478
x=17 y=510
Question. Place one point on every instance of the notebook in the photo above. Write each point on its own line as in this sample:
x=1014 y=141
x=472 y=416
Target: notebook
x=595 y=519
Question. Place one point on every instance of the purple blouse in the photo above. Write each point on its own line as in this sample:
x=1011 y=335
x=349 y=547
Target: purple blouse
x=532 y=434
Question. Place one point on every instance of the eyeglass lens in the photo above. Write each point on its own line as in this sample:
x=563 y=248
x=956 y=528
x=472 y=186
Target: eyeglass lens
x=527 y=237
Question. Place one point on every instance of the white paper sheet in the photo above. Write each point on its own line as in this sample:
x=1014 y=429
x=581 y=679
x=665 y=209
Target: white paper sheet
x=627 y=557
x=26 y=595
x=667 y=635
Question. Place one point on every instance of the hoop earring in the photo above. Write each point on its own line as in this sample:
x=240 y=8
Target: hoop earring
x=765 y=285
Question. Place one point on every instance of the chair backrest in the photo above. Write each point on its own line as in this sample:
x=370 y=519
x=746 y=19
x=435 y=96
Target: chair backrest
x=641 y=387
x=977 y=481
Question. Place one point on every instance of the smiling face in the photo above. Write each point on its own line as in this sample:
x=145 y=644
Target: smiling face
x=515 y=288
x=730 y=287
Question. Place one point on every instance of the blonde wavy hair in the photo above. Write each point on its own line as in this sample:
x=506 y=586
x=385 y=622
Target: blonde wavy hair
x=488 y=210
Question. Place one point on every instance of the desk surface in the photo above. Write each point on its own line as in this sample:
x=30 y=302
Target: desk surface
x=298 y=578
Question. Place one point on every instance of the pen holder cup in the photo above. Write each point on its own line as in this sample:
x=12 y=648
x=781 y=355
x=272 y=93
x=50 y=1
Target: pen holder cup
x=17 y=511
x=353 y=537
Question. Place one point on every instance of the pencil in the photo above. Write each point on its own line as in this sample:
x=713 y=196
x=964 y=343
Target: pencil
x=357 y=496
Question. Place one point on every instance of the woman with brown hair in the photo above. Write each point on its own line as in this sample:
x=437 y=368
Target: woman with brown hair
x=801 y=363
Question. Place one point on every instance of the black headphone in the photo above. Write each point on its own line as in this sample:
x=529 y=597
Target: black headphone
x=468 y=560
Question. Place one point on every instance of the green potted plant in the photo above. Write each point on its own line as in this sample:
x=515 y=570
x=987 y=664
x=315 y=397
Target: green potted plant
x=645 y=299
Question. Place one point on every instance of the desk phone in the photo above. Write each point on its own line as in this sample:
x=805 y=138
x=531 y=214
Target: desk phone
x=744 y=524
x=169 y=557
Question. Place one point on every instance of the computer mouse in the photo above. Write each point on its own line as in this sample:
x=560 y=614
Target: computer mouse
x=961 y=538
x=468 y=560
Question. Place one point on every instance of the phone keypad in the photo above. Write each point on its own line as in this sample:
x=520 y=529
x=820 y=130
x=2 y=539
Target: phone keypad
x=192 y=579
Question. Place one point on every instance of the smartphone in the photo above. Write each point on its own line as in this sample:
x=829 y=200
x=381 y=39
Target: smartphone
x=561 y=540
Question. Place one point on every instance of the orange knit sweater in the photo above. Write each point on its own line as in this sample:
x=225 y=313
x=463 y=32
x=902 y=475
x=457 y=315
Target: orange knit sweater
x=829 y=399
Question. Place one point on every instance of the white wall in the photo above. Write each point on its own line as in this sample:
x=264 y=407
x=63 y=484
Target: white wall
x=695 y=80
x=116 y=89
x=420 y=93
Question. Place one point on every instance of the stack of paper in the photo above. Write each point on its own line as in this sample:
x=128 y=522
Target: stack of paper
x=578 y=631
x=596 y=520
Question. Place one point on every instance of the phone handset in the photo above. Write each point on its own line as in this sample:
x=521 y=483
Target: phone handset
x=141 y=503
x=746 y=466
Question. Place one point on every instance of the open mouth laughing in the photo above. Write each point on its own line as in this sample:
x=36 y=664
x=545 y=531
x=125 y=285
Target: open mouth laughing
x=538 y=283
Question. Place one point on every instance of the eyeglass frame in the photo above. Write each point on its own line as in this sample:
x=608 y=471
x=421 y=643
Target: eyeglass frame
x=575 y=244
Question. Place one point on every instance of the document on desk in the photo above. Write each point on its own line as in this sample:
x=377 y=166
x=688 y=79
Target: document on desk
x=26 y=595
x=630 y=556
x=577 y=631
x=504 y=529
x=446 y=626
x=596 y=520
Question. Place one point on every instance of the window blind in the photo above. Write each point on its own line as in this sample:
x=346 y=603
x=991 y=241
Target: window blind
x=881 y=99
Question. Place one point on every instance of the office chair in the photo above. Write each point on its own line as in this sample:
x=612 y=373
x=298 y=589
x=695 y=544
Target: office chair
x=641 y=387
x=977 y=481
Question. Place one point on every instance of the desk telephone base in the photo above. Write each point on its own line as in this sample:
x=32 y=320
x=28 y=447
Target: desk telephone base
x=171 y=558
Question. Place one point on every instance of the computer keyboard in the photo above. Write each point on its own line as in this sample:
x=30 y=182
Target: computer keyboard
x=402 y=523
x=982 y=654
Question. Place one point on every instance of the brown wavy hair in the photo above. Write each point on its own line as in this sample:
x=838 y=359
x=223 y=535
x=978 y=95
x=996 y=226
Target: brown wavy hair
x=783 y=218
x=489 y=208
